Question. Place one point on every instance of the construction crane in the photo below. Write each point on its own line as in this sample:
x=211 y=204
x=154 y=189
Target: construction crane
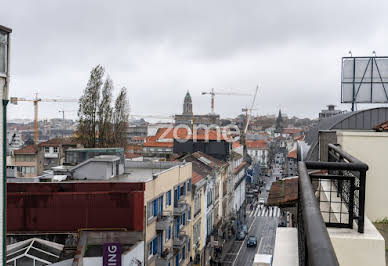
x=169 y=117
x=246 y=110
x=36 y=100
x=213 y=93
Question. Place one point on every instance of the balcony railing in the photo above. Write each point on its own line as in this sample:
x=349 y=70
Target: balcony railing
x=163 y=222
x=314 y=245
x=179 y=241
x=330 y=194
x=165 y=257
x=180 y=208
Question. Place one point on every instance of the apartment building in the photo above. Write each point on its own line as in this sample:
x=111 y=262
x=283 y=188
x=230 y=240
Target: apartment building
x=258 y=150
x=29 y=161
x=168 y=210
x=54 y=151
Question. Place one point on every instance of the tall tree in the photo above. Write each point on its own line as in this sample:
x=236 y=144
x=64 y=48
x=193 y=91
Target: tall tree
x=105 y=112
x=120 y=118
x=88 y=107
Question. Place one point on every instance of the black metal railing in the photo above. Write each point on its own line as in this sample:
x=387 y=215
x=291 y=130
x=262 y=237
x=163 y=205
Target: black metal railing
x=330 y=194
x=340 y=187
x=314 y=245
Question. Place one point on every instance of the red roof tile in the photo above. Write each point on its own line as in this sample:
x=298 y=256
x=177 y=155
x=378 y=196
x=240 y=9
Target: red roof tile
x=196 y=177
x=30 y=149
x=236 y=144
x=129 y=155
x=292 y=154
x=291 y=130
x=239 y=168
x=284 y=192
x=256 y=144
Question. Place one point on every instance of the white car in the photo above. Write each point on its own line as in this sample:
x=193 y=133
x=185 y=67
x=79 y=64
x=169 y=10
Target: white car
x=261 y=201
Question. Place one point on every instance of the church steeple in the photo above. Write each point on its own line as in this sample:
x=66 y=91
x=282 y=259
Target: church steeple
x=187 y=105
x=279 y=123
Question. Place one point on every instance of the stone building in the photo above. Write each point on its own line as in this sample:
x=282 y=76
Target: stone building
x=188 y=118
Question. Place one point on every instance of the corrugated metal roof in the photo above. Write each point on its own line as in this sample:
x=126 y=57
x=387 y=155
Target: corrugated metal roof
x=359 y=120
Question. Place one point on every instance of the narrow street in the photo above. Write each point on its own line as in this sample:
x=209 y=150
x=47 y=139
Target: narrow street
x=262 y=222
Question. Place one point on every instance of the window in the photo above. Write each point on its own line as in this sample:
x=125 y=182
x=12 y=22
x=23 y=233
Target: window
x=197 y=204
x=189 y=185
x=168 y=198
x=153 y=247
x=46 y=149
x=183 y=252
x=155 y=207
x=26 y=169
x=55 y=149
x=3 y=52
x=196 y=232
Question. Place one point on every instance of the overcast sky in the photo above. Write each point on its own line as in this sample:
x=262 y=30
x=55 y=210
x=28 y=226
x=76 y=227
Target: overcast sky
x=160 y=49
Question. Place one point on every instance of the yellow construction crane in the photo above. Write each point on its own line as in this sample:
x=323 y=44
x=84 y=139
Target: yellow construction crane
x=36 y=100
x=213 y=93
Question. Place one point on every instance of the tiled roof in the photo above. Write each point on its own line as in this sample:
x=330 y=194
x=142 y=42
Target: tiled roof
x=209 y=160
x=239 y=168
x=134 y=147
x=196 y=177
x=129 y=155
x=256 y=144
x=284 y=192
x=291 y=130
x=30 y=149
x=292 y=154
x=236 y=144
x=55 y=142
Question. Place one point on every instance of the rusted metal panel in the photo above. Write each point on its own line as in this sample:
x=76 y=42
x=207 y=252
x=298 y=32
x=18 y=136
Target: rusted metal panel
x=68 y=211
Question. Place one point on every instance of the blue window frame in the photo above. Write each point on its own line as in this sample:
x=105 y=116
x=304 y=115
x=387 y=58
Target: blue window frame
x=169 y=197
x=189 y=185
x=155 y=246
x=169 y=232
x=155 y=207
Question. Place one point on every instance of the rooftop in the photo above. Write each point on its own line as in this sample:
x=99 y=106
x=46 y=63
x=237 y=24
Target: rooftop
x=30 y=149
x=256 y=144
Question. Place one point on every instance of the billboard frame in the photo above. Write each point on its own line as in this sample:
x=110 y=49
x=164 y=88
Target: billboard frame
x=356 y=85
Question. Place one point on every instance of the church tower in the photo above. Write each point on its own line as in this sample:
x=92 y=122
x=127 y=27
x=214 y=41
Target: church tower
x=187 y=105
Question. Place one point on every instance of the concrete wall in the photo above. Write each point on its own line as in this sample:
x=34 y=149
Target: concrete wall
x=94 y=170
x=371 y=148
x=354 y=249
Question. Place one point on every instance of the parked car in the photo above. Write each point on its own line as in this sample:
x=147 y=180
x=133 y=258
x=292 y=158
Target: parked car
x=244 y=228
x=252 y=241
x=240 y=235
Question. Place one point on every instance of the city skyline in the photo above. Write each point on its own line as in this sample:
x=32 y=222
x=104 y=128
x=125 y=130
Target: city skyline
x=161 y=50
